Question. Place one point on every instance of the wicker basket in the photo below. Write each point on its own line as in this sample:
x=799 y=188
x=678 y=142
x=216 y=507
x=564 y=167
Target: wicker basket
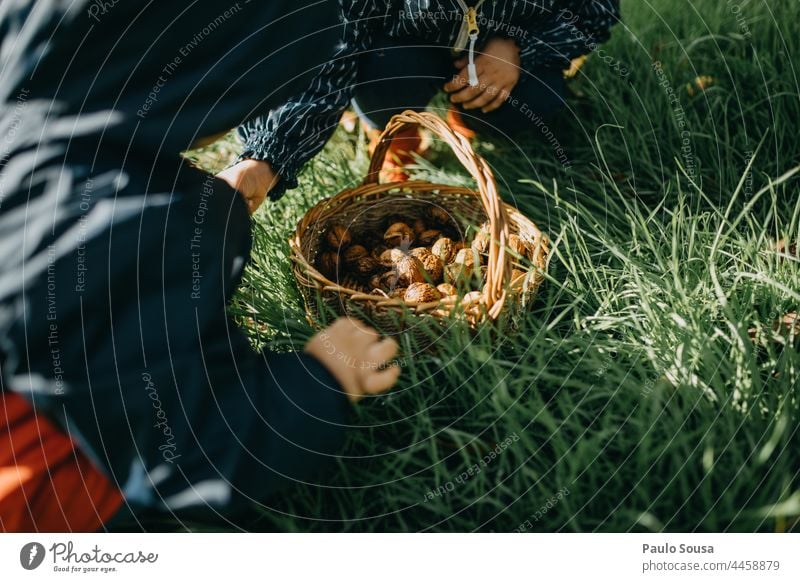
x=367 y=207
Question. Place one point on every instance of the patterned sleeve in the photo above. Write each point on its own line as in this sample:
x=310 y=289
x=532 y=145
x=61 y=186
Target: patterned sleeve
x=577 y=28
x=287 y=137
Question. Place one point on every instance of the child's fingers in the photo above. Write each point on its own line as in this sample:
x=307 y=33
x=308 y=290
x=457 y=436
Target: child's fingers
x=497 y=102
x=382 y=351
x=466 y=95
x=461 y=80
x=482 y=99
x=457 y=83
x=378 y=382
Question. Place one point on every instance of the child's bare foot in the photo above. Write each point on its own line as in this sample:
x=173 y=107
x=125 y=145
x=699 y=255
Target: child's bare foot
x=357 y=357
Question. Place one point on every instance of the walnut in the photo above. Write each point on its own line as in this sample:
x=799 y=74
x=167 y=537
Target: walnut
x=429 y=237
x=517 y=245
x=398 y=234
x=366 y=265
x=446 y=289
x=481 y=241
x=375 y=281
x=338 y=237
x=354 y=253
x=461 y=270
x=419 y=227
x=389 y=258
x=445 y=249
x=389 y=281
x=466 y=257
x=397 y=293
x=472 y=304
x=410 y=270
x=328 y=263
x=439 y=215
x=457 y=273
x=421 y=293
x=472 y=297
x=378 y=250
x=430 y=262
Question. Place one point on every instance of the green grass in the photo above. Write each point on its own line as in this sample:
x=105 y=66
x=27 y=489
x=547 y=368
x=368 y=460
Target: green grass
x=633 y=394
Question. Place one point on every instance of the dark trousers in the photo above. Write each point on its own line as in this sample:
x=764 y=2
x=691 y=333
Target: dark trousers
x=398 y=75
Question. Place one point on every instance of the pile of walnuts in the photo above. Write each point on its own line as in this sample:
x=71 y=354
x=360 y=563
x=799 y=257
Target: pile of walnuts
x=419 y=262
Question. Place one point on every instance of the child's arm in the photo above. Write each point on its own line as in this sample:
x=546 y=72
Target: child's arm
x=160 y=388
x=244 y=425
x=293 y=133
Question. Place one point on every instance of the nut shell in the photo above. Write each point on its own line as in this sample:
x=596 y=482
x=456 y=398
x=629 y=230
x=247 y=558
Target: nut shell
x=445 y=249
x=338 y=237
x=419 y=227
x=398 y=234
x=446 y=289
x=328 y=264
x=457 y=274
x=421 y=293
x=430 y=262
x=378 y=250
x=429 y=236
x=397 y=293
x=481 y=241
x=354 y=253
x=517 y=245
x=366 y=265
x=465 y=257
x=472 y=297
x=410 y=270
x=390 y=257
x=389 y=281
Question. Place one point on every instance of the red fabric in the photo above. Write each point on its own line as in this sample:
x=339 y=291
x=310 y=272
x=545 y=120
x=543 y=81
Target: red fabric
x=456 y=122
x=404 y=144
x=46 y=483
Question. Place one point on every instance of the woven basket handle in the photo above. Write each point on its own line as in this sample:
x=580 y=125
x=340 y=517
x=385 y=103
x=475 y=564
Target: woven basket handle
x=498 y=264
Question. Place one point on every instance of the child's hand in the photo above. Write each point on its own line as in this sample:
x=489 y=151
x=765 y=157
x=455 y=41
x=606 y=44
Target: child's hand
x=252 y=179
x=498 y=73
x=357 y=357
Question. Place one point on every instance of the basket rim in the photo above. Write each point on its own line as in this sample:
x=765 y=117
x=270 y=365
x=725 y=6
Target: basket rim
x=306 y=272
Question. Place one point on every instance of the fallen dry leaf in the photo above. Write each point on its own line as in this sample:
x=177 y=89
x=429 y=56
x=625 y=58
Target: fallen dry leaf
x=700 y=85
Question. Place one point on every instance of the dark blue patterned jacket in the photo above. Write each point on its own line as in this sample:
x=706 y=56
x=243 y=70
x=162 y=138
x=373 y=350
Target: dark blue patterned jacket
x=549 y=33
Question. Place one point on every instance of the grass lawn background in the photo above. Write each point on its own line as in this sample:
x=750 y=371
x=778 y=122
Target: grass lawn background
x=648 y=388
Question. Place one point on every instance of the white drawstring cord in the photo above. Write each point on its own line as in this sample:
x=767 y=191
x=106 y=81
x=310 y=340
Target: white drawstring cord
x=471 y=70
x=469 y=29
